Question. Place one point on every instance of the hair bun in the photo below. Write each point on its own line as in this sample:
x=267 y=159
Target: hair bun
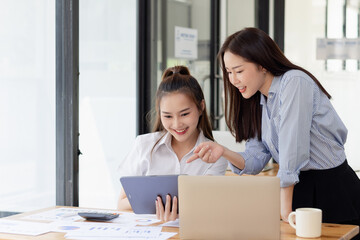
x=176 y=70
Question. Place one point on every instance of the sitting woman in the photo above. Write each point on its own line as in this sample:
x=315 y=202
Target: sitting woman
x=181 y=124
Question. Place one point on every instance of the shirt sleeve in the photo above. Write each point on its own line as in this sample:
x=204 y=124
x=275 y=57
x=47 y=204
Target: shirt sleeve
x=131 y=165
x=256 y=156
x=296 y=108
x=217 y=168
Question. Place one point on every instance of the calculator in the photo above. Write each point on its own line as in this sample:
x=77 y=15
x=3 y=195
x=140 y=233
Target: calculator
x=98 y=216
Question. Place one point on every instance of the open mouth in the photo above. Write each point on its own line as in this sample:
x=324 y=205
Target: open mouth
x=242 y=89
x=181 y=131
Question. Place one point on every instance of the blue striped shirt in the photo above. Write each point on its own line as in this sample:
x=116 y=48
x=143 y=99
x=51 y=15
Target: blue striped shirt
x=300 y=130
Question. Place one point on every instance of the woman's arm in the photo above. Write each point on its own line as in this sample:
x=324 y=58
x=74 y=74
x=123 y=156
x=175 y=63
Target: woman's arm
x=234 y=158
x=295 y=126
x=123 y=202
x=286 y=196
x=251 y=161
x=210 y=152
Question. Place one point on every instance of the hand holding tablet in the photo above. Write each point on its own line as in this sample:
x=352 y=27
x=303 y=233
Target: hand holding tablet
x=142 y=191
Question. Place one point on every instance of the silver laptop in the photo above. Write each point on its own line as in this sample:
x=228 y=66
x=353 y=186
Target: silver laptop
x=229 y=207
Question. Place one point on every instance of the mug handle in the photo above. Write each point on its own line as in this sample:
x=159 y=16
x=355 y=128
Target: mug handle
x=291 y=219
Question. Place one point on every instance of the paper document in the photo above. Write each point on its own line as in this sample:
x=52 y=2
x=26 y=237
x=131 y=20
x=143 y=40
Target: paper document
x=72 y=227
x=136 y=219
x=23 y=227
x=171 y=224
x=162 y=236
x=64 y=214
x=71 y=215
x=88 y=229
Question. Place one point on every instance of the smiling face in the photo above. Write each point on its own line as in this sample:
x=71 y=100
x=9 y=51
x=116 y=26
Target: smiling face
x=180 y=117
x=246 y=76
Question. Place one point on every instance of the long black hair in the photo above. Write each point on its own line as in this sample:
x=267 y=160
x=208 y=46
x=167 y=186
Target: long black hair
x=243 y=116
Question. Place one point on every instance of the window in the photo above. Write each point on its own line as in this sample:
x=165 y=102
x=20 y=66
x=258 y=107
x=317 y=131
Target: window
x=107 y=111
x=27 y=105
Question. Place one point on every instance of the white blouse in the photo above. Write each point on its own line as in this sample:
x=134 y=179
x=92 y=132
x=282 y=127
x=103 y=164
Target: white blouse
x=145 y=159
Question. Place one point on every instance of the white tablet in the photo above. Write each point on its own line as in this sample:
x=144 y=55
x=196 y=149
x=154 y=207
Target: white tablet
x=142 y=191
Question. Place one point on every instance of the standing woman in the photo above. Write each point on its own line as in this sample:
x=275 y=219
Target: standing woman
x=284 y=113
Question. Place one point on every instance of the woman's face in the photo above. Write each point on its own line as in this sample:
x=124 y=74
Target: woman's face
x=246 y=76
x=180 y=117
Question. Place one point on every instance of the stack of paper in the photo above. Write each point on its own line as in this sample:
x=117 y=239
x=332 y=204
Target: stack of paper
x=87 y=230
x=126 y=226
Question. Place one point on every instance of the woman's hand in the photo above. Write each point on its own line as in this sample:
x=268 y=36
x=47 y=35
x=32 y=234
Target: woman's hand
x=164 y=214
x=123 y=202
x=209 y=152
x=286 y=195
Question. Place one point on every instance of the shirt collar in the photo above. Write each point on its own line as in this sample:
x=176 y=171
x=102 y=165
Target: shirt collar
x=275 y=85
x=274 y=88
x=201 y=138
x=165 y=140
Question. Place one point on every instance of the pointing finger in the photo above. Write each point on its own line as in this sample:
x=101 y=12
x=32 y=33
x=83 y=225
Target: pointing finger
x=192 y=158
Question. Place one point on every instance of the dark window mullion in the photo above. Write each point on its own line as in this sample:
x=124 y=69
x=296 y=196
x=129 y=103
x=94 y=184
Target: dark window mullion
x=279 y=23
x=214 y=70
x=67 y=102
x=262 y=15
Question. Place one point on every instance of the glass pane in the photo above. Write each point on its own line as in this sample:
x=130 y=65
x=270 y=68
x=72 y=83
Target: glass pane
x=305 y=21
x=107 y=97
x=239 y=14
x=27 y=105
x=235 y=15
x=178 y=18
x=193 y=16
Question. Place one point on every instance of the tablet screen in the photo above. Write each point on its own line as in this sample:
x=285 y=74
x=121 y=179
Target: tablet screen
x=142 y=191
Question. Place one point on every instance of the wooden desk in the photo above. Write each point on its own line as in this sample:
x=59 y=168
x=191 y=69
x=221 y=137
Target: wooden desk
x=329 y=231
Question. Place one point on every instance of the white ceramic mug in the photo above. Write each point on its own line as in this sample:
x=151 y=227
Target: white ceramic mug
x=308 y=222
